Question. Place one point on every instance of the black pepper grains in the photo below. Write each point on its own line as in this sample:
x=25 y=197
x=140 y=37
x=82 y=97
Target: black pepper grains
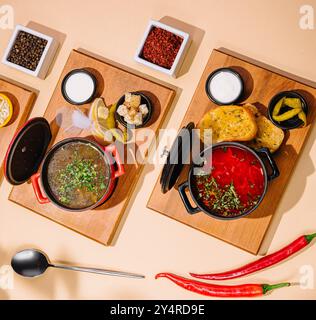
x=27 y=50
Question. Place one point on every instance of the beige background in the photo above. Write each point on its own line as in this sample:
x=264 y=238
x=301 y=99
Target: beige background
x=149 y=242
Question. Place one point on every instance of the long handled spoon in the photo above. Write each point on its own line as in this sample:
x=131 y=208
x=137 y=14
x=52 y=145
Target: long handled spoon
x=33 y=263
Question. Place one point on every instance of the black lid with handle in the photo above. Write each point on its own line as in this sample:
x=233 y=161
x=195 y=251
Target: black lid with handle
x=177 y=157
x=27 y=150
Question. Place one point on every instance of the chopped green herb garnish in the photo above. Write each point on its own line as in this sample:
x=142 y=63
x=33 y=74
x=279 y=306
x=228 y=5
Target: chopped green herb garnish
x=79 y=174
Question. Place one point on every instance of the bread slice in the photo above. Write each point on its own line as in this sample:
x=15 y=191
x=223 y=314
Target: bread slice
x=252 y=109
x=268 y=135
x=227 y=123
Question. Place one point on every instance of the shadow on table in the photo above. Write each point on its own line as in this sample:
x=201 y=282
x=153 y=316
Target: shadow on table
x=293 y=195
x=4 y=260
x=46 y=285
x=196 y=36
x=57 y=35
x=269 y=67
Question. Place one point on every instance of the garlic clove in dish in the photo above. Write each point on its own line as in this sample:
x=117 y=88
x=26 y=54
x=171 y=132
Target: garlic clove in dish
x=143 y=109
x=122 y=110
x=138 y=119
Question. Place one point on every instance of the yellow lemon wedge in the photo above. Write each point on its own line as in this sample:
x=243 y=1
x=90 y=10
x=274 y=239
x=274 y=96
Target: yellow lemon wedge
x=6 y=110
x=98 y=110
x=104 y=124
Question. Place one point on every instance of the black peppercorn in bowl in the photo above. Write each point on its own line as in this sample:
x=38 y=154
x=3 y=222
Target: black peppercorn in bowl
x=30 y=51
x=293 y=122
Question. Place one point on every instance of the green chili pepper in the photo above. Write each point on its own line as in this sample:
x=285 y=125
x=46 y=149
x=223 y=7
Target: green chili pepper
x=278 y=107
x=286 y=115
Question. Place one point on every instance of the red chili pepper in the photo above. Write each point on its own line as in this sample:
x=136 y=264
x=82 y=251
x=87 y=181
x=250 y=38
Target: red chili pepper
x=262 y=263
x=214 y=290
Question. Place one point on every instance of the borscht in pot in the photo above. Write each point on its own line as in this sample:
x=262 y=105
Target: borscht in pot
x=230 y=182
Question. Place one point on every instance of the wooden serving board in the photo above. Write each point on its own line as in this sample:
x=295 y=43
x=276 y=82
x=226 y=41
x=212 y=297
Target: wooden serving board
x=260 y=86
x=22 y=101
x=101 y=223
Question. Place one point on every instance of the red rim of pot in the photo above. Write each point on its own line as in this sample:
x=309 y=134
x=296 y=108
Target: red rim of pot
x=260 y=154
x=111 y=156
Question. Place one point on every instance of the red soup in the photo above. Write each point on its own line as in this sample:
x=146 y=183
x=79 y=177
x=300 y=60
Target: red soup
x=231 y=181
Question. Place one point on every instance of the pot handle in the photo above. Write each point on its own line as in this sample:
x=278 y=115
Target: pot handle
x=185 y=199
x=264 y=152
x=113 y=151
x=37 y=189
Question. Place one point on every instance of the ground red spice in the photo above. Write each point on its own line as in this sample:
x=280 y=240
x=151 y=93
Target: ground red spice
x=161 y=47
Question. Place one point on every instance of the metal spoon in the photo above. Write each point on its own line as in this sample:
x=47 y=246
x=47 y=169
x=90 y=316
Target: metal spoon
x=33 y=263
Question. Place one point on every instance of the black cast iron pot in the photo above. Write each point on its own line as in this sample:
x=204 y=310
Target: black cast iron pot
x=262 y=155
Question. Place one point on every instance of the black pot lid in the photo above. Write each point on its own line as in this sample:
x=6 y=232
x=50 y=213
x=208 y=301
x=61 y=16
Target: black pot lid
x=177 y=157
x=27 y=150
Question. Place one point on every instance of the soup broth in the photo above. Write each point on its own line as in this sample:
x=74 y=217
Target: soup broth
x=231 y=182
x=78 y=175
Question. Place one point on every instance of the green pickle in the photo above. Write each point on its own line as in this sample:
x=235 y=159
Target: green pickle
x=293 y=103
x=296 y=110
x=278 y=107
x=302 y=116
x=287 y=115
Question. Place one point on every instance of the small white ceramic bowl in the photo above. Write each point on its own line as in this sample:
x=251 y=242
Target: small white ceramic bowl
x=180 y=56
x=46 y=58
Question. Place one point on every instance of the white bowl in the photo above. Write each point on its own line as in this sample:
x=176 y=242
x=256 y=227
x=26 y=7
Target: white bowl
x=181 y=53
x=46 y=58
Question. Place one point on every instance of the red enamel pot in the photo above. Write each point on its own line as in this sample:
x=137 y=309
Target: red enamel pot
x=28 y=151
